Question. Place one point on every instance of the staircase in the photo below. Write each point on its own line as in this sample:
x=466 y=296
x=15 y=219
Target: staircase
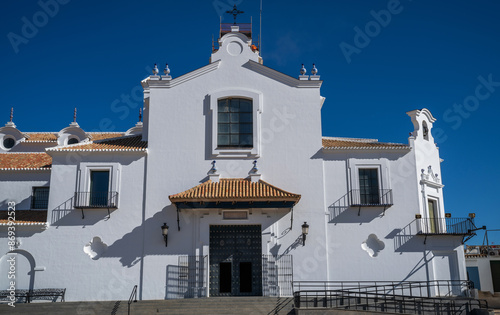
x=202 y=306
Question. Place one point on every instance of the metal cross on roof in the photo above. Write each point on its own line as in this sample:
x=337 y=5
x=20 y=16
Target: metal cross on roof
x=235 y=12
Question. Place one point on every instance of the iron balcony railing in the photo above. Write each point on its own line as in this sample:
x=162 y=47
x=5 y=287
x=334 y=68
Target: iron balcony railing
x=445 y=226
x=370 y=198
x=93 y=199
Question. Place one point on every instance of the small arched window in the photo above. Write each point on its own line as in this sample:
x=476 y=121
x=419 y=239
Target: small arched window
x=425 y=131
x=73 y=140
x=234 y=123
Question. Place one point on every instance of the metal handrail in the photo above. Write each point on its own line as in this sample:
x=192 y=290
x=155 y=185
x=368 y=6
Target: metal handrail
x=377 y=198
x=96 y=199
x=131 y=298
x=345 y=299
x=423 y=288
x=446 y=226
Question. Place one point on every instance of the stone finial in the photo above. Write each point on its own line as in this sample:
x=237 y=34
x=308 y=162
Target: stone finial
x=213 y=170
x=11 y=114
x=254 y=169
x=74 y=115
x=314 y=70
x=254 y=173
x=155 y=70
x=303 y=70
x=166 y=70
x=212 y=174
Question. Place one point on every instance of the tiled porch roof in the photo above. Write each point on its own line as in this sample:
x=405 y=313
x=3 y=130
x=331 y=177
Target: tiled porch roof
x=234 y=190
x=334 y=143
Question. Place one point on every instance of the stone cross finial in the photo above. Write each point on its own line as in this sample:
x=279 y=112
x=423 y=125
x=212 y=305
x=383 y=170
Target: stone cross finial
x=235 y=13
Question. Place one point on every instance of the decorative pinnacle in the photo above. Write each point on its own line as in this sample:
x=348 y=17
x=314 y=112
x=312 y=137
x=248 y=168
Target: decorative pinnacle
x=314 y=70
x=166 y=70
x=11 y=114
x=213 y=170
x=140 y=114
x=235 y=12
x=254 y=168
x=155 y=70
x=303 y=70
x=74 y=115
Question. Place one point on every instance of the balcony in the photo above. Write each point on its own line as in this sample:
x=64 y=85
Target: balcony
x=363 y=198
x=445 y=226
x=96 y=200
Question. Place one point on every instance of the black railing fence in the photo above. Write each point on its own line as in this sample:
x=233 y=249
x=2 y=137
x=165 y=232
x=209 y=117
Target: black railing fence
x=99 y=199
x=192 y=276
x=457 y=226
x=413 y=288
x=277 y=275
x=387 y=303
x=414 y=297
x=370 y=198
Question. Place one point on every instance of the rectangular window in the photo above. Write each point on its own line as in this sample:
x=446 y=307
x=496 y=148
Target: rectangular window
x=40 y=198
x=99 y=189
x=368 y=187
x=235 y=123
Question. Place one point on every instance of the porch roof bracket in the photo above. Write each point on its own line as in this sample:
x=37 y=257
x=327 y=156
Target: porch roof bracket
x=178 y=223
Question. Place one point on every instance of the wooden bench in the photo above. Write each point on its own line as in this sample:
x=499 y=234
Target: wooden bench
x=27 y=296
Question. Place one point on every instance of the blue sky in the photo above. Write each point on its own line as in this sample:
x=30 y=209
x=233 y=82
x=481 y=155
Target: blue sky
x=413 y=54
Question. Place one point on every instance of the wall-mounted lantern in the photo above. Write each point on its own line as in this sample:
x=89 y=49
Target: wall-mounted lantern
x=305 y=231
x=164 y=232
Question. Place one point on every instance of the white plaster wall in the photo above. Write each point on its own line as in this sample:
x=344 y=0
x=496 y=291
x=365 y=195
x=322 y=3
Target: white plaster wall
x=17 y=186
x=180 y=122
x=60 y=248
x=485 y=277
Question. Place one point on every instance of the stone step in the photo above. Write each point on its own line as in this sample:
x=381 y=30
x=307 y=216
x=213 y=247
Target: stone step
x=207 y=306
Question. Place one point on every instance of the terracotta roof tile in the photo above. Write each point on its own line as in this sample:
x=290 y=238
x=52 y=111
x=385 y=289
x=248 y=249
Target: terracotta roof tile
x=40 y=137
x=351 y=143
x=25 y=161
x=101 y=136
x=25 y=217
x=234 y=189
x=127 y=143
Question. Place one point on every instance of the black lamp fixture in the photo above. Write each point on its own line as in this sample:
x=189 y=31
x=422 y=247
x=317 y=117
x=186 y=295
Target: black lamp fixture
x=164 y=232
x=305 y=231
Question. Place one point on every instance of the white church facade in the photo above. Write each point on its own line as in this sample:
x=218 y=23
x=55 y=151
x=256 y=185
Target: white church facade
x=227 y=188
